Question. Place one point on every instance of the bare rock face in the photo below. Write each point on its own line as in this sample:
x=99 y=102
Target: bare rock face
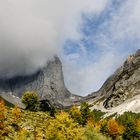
x=47 y=82
x=122 y=85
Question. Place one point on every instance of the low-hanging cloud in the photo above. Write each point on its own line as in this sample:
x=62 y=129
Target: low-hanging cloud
x=32 y=31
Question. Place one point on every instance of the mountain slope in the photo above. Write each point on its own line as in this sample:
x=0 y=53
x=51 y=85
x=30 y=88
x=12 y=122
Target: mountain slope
x=123 y=85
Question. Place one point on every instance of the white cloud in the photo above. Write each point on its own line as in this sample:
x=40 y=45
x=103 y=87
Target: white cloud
x=31 y=31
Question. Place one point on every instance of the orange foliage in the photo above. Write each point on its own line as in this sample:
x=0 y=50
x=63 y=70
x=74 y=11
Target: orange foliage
x=114 y=129
x=2 y=112
x=16 y=112
x=91 y=122
x=138 y=124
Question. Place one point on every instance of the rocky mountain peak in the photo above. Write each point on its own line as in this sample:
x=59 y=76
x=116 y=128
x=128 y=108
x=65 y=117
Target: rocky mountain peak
x=48 y=82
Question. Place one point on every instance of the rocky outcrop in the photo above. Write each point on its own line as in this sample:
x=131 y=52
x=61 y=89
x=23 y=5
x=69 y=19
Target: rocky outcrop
x=47 y=82
x=122 y=85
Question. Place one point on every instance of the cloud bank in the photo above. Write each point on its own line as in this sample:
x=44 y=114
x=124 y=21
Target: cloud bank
x=32 y=31
x=92 y=37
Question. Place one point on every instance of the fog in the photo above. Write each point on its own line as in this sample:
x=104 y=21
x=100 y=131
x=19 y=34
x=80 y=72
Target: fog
x=32 y=31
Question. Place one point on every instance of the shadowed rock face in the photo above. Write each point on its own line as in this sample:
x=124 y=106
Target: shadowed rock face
x=122 y=85
x=47 y=82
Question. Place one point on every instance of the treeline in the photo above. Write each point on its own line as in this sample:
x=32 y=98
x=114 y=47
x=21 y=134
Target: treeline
x=79 y=123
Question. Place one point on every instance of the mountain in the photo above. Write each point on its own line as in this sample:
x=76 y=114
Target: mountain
x=122 y=89
x=48 y=82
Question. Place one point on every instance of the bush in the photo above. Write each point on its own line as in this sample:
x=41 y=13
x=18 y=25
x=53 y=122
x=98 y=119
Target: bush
x=30 y=99
x=93 y=134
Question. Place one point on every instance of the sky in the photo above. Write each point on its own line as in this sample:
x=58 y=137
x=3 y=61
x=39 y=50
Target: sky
x=92 y=38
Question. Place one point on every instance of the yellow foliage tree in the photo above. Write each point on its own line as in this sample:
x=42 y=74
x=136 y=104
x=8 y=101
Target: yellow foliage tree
x=90 y=122
x=3 y=125
x=62 y=127
x=138 y=125
x=2 y=112
x=16 y=113
x=75 y=114
x=114 y=129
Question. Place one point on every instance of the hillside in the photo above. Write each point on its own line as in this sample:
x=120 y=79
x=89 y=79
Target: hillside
x=76 y=124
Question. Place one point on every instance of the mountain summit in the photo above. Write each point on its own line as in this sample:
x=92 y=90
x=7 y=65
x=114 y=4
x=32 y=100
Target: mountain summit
x=48 y=82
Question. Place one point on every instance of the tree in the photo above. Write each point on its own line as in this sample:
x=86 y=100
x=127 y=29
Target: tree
x=75 y=114
x=86 y=112
x=114 y=129
x=62 y=127
x=129 y=121
x=4 y=130
x=97 y=114
x=16 y=113
x=30 y=99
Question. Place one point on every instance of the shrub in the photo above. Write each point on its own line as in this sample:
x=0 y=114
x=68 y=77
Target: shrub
x=30 y=100
x=93 y=134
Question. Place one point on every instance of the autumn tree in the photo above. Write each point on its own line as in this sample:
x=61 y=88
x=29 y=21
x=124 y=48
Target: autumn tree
x=75 y=114
x=129 y=121
x=30 y=99
x=16 y=113
x=114 y=129
x=3 y=125
x=62 y=127
x=138 y=126
x=2 y=112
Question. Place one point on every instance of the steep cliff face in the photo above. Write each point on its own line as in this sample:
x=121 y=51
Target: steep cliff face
x=47 y=82
x=122 y=85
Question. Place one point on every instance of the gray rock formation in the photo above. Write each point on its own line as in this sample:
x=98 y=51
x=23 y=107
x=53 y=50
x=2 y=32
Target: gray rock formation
x=122 y=85
x=47 y=82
